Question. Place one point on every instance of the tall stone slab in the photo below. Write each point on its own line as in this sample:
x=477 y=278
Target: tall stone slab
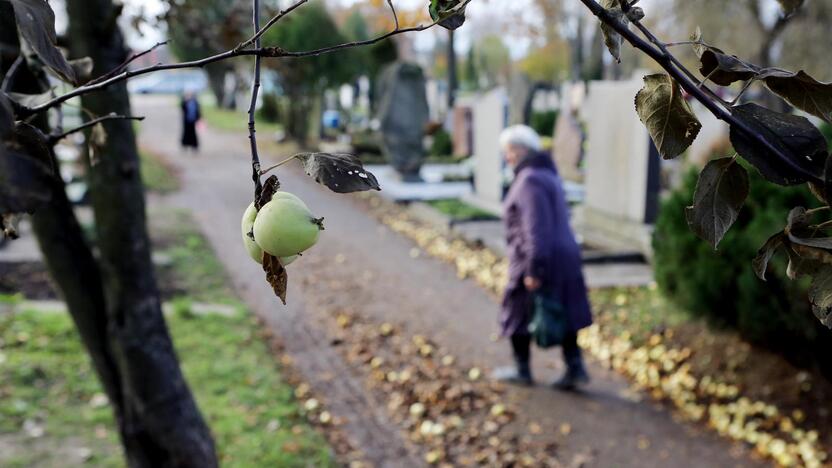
x=403 y=113
x=490 y=117
x=622 y=169
x=462 y=130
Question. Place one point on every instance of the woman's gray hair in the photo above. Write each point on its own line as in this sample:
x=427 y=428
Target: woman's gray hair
x=520 y=135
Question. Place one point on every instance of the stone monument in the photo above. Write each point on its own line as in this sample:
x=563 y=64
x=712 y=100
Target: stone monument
x=403 y=114
x=462 y=130
x=622 y=170
x=568 y=145
x=490 y=117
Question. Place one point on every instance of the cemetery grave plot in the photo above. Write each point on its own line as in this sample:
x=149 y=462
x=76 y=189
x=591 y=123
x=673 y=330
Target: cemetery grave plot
x=747 y=394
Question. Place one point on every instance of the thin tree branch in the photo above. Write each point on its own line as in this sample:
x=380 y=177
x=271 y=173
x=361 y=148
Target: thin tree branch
x=270 y=52
x=56 y=137
x=258 y=33
x=7 y=81
x=668 y=62
x=395 y=16
x=678 y=64
x=275 y=166
x=123 y=66
x=255 y=158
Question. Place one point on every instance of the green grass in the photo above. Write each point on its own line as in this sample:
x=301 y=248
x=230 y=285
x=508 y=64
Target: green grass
x=193 y=264
x=233 y=121
x=46 y=376
x=158 y=176
x=459 y=210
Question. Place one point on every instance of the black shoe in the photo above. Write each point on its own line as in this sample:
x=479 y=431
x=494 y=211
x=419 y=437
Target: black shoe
x=575 y=378
x=515 y=375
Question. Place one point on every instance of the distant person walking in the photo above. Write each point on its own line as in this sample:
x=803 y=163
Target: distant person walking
x=544 y=258
x=190 y=117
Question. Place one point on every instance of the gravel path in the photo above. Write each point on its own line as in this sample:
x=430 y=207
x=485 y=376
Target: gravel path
x=607 y=426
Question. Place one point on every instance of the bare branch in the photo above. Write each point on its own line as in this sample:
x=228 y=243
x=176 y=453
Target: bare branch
x=395 y=16
x=271 y=52
x=255 y=158
x=123 y=66
x=658 y=52
x=54 y=138
x=258 y=33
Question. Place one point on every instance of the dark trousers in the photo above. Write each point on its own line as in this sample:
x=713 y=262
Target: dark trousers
x=521 y=346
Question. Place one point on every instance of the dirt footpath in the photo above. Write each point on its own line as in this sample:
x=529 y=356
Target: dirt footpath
x=379 y=276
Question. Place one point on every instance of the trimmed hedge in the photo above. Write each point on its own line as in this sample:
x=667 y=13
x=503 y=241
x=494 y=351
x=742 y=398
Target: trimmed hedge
x=721 y=285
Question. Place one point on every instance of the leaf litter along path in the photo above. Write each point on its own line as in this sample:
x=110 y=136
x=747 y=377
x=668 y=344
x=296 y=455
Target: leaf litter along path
x=361 y=272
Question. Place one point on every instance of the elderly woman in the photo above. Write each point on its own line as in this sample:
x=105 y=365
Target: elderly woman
x=544 y=257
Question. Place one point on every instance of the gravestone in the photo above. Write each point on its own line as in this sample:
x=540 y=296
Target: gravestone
x=403 y=114
x=490 y=117
x=462 y=130
x=520 y=95
x=567 y=146
x=622 y=170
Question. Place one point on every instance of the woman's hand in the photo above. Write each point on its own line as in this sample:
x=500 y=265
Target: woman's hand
x=531 y=283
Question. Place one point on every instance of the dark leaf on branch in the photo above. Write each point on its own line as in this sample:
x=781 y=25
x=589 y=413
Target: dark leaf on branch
x=31 y=100
x=448 y=9
x=82 y=68
x=635 y=14
x=342 y=173
x=802 y=91
x=271 y=186
x=276 y=275
x=824 y=193
x=720 y=194
x=36 y=22
x=792 y=135
x=820 y=295
x=798 y=218
x=6 y=116
x=667 y=115
x=789 y=6
x=719 y=67
x=723 y=69
x=25 y=171
x=612 y=39
x=765 y=253
x=824 y=243
x=34 y=143
x=802 y=262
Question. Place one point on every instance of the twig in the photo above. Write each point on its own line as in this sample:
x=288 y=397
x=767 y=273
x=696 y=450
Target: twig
x=668 y=62
x=123 y=66
x=56 y=137
x=271 y=168
x=742 y=91
x=258 y=33
x=663 y=48
x=7 y=81
x=255 y=158
x=680 y=43
x=395 y=16
x=271 y=52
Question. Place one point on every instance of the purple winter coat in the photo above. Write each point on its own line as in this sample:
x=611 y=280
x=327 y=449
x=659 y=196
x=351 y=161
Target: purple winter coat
x=541 y=244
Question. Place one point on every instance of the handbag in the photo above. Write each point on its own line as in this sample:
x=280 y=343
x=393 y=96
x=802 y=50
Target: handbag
x=550 y=322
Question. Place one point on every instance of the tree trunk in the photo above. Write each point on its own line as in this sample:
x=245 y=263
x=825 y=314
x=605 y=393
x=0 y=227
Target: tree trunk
x=297 y=124
x=68 y=257
x=216 y=81
x=161 y=424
